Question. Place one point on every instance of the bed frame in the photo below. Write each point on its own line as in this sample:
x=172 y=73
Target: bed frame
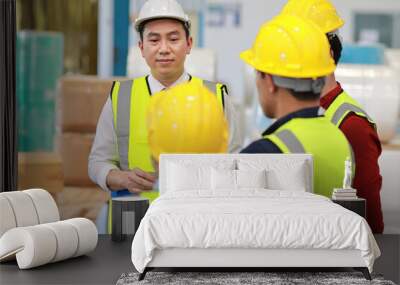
x=243 y=259
x=246 y=259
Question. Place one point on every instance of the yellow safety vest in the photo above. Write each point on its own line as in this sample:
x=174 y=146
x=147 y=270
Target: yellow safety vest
x=130 y=100
x=342 y=106
x=327 y=144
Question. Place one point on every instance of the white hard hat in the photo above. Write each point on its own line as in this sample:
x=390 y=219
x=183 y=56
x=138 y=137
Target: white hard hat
x=155 y=9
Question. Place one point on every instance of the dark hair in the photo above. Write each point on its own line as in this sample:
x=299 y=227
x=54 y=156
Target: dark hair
x=304 y=96
x=142 y=25
x=336 y=46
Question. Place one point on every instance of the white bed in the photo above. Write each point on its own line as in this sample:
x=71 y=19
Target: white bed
x=229 y=216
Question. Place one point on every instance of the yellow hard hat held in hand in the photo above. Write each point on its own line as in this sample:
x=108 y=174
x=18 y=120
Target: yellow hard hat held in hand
x=320 y=12
x=290 y=46
x=186 y=118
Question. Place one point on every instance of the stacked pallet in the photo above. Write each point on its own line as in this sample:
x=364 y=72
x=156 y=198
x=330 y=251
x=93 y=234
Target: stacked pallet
x=40 y=170
x=82 y=99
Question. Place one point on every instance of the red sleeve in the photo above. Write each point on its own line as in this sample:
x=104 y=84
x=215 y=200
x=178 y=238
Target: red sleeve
x=368 y=181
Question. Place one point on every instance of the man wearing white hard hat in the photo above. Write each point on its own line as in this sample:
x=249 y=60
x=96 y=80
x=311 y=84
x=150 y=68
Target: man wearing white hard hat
x=120 y=156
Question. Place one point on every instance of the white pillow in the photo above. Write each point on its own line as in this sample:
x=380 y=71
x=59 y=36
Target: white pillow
x=293 y=179
x=223 y=179
x=193 y=174
x=181 y=177
x=281 y=174
x=251 y=178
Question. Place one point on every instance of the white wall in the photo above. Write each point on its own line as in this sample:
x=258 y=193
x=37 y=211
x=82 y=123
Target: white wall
x=229 y=42
x=347 y=8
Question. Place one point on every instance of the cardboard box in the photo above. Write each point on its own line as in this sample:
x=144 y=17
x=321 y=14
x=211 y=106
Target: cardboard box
x=85 y=202
x=40 y=170
x=81 y=100
x=75 y=149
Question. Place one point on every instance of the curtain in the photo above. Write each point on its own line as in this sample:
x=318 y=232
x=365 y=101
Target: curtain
x=8 y=131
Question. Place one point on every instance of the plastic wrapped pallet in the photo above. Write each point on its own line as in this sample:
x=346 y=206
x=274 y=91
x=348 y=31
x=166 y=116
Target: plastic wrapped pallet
x=376 y=88
x=389 y=163
x=39 y=64
x=392 y=58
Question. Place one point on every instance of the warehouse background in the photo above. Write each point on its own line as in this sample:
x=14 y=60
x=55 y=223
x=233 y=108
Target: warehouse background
x=69 y=52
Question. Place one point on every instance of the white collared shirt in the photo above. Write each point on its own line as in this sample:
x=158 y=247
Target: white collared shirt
x=104 y=156
x=156 y=86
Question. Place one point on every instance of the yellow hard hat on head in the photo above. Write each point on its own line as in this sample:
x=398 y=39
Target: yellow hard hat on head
x=290 y=46
x=320 y=12
x=186 y=119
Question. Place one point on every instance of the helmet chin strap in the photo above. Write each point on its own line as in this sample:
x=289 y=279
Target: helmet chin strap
x=337 y=34
x=336 y=44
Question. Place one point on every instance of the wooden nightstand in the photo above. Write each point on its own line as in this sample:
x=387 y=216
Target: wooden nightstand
x=357 y=205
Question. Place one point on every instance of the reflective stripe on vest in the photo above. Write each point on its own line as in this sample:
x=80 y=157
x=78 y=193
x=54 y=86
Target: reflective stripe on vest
x=130 y=106
x=292 y=144
x=216 y=88
x=342 y=106
x=130 y=100
x=121 y=107
x=324 y=141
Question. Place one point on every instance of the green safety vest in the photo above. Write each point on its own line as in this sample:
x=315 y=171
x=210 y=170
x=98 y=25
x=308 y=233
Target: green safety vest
x=130 y=100
x=327 y=144
x=342 y=106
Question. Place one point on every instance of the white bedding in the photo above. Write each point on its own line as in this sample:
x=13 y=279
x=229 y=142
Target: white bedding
x=252 y=218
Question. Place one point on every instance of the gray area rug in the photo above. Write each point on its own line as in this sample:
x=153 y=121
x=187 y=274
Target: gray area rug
x=225 y=278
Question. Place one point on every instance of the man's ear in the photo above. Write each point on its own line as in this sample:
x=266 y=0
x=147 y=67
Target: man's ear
x=189 y=41
x=140 y=45
x=272 y=88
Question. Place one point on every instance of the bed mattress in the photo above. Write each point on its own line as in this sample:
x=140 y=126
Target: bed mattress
x=250 y=219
